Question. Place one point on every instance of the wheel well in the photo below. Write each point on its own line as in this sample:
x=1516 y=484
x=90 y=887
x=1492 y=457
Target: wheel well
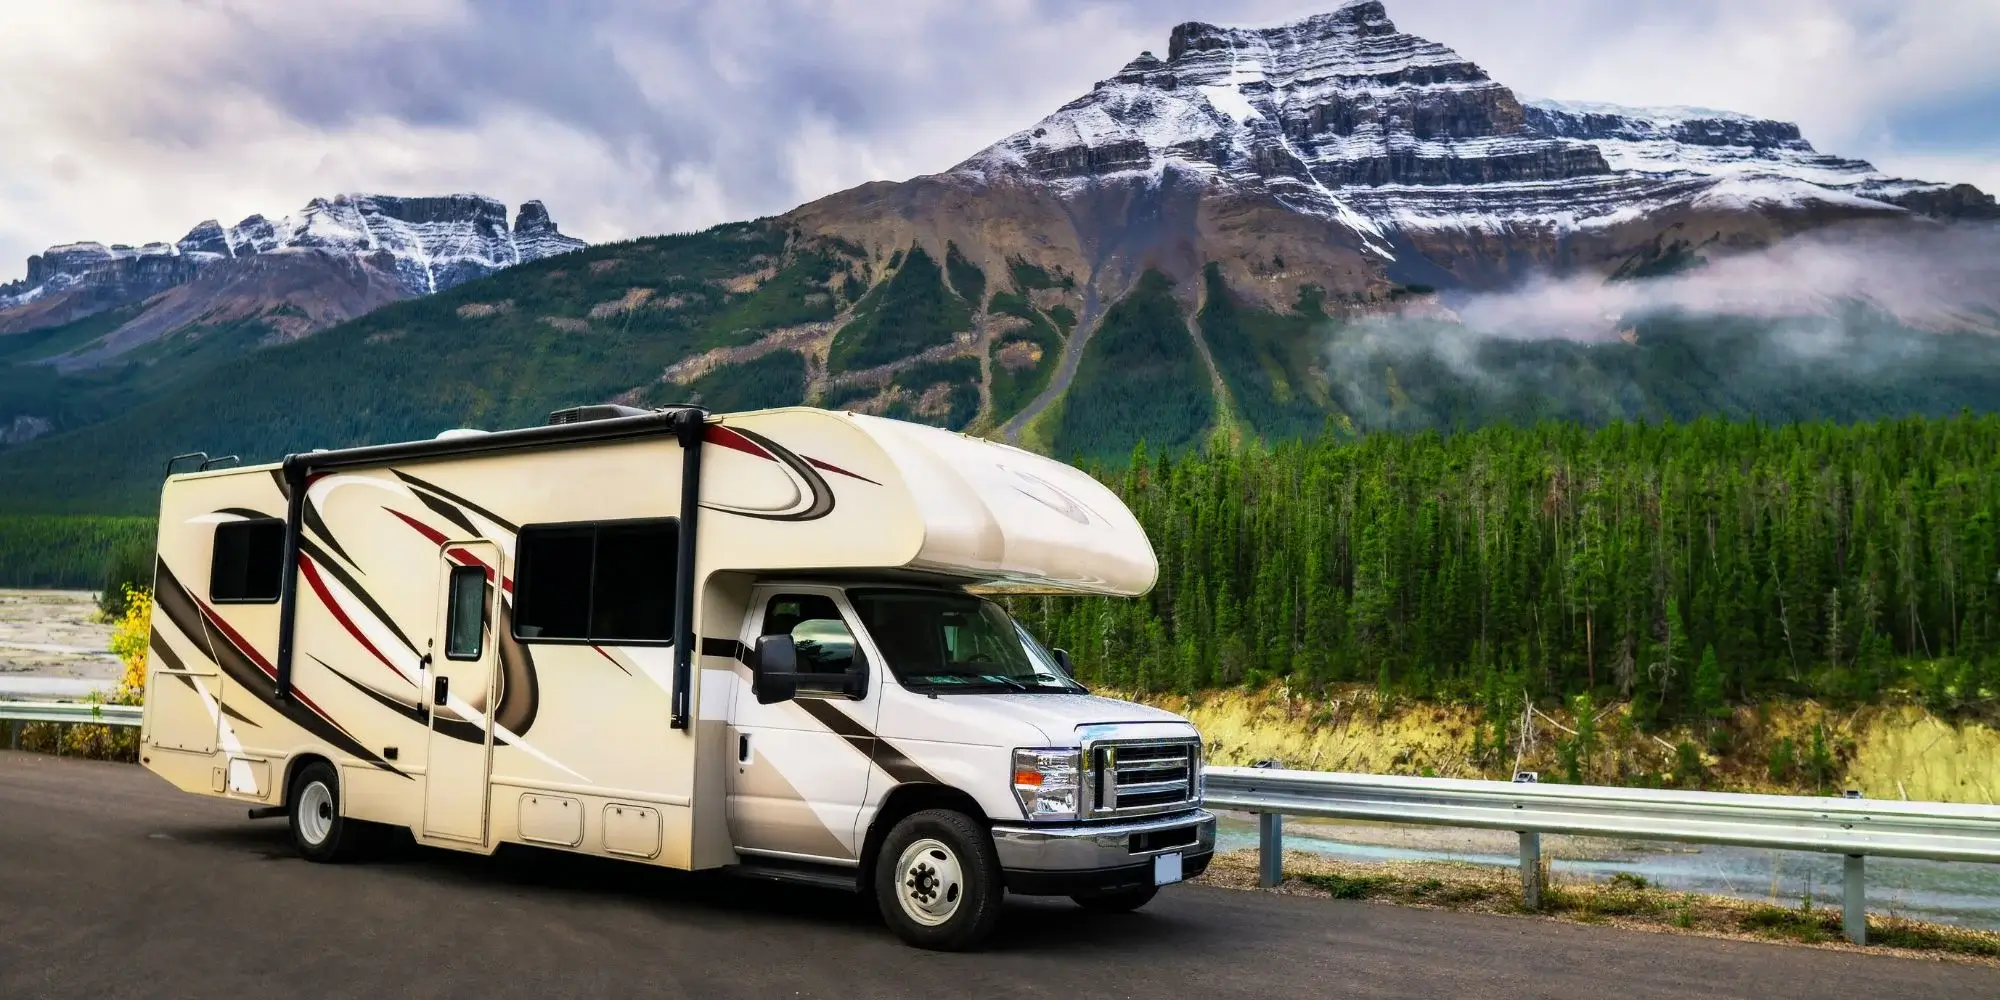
x=903 y=800
x=292 y=769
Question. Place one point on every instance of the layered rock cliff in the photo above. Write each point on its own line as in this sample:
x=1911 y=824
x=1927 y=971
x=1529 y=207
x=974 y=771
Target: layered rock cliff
x=1341 y=152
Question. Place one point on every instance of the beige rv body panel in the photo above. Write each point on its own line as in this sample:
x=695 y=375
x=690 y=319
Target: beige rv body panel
x=568 y=744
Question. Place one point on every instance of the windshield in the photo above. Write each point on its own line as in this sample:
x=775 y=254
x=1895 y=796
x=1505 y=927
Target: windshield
x=940 y=642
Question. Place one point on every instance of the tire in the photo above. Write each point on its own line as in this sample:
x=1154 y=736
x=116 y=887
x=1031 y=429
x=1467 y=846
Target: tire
x=938 y=881
x=319 y=831
x=1118 y=901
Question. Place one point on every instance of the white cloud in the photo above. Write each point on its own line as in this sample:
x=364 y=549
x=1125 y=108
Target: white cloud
x=129 y=121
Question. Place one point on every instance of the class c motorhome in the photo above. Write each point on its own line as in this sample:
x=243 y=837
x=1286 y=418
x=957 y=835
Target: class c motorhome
x=756 y=641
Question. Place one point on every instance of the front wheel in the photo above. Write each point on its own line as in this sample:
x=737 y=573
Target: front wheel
x=938 y=882
x=1119 y=900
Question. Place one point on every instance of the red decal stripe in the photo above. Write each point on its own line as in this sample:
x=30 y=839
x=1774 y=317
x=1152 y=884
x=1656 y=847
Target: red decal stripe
x=436 y=536
x=719 y=435
x=465 y=557
x=462 y=555
x=311 y=573
x=830 y=467
x=250 y=653
x=236 y=638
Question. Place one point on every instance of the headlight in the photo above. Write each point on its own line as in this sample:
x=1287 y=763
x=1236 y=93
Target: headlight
x=1045 y=782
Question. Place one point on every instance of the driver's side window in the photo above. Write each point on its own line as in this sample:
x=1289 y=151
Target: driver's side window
x=824 y=643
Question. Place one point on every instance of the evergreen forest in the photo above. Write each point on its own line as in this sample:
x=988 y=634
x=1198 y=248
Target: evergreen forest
x=1681 y=566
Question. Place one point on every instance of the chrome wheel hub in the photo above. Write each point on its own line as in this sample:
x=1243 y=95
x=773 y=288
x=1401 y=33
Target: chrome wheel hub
x=930 y=882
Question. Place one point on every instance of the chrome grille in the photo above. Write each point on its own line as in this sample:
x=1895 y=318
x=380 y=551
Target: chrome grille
x=1138 y=777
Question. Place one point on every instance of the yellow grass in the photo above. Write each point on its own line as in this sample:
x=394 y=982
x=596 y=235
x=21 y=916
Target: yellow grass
x=1888 y=752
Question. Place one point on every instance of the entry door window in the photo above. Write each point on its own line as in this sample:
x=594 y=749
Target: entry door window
x=465 y=627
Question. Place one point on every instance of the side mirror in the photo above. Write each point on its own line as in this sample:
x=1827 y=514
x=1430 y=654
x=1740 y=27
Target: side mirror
x=1062 y=660
x=774 y=670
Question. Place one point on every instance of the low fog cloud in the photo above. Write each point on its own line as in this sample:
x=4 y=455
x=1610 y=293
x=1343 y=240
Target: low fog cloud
x=1868 y=308
x=1943 y=278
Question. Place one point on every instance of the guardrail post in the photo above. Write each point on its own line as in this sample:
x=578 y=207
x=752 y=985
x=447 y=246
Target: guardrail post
x=1531 y=869
x=1854 y=899
x=1270 y=849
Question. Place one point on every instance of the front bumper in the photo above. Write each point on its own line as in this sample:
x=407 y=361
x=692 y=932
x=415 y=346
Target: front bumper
x=1045 y=860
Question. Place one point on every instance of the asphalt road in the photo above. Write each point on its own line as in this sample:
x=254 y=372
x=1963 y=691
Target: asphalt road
x=113 y=885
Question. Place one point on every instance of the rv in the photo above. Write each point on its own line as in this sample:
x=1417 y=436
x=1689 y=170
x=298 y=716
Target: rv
x=762 y=642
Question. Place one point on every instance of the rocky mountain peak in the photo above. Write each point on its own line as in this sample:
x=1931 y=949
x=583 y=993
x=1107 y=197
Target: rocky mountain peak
x=533 y=218
x=429 y=243
x=1345 y=117
x=426 y=244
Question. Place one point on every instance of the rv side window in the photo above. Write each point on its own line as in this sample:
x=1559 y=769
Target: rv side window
x=608 y=582
x=248 y=563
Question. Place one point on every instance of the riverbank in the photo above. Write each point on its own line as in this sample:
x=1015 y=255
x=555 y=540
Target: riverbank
x=1623 y=901
x=53 y=645
x=1784 y=746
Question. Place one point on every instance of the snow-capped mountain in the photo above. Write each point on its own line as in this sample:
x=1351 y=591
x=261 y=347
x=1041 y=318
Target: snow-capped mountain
x=1342 y=115
x=1341 y=152
x=1740 y=147
x=427 y=244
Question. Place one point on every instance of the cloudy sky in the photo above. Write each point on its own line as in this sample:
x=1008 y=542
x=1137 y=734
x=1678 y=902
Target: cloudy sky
x=129 y=120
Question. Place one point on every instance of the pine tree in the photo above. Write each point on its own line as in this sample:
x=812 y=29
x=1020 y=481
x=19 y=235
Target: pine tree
x=1710 y=697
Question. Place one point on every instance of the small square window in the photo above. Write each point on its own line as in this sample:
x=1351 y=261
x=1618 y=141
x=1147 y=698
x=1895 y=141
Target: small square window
x=248 y=563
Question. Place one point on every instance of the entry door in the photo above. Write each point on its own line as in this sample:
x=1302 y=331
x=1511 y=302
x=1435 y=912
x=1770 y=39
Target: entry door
x=801 y=768
x=459 y=687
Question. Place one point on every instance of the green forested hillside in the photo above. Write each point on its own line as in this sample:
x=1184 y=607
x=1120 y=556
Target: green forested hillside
x=791 y=319
x=501 y=352
x=1681 y=566
x=1140 y=379
x=1268 y=360
x=910 y=313
x=1025 y=353
x=69 y=552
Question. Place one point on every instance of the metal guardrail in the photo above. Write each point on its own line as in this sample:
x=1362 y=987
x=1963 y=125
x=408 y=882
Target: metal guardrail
x=71 y=712
x=1855 y=828
x=14 y=713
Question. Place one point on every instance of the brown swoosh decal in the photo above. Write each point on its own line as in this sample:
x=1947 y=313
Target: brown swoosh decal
x=158 y=647
x=520 y=692
x=752 y=443
x=878 y=750
x=249 y=671
x=354 y=587
x=455 y=498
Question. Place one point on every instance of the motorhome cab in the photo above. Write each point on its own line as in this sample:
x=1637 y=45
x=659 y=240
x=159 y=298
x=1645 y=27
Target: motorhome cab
x=757 y=641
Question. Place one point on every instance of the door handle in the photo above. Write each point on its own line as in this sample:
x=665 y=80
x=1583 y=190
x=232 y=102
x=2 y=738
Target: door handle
x=743 y=747
x=442 y=692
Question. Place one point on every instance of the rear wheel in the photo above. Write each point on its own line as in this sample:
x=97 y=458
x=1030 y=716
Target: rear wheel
x=938 y=882
x=1119 y=900
x=319 y=831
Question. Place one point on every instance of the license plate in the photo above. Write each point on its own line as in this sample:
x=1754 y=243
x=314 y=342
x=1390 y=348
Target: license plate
x=1166 y=868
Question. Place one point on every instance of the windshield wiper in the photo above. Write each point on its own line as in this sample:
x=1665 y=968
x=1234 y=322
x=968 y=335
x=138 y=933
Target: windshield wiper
x=1011 y=682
